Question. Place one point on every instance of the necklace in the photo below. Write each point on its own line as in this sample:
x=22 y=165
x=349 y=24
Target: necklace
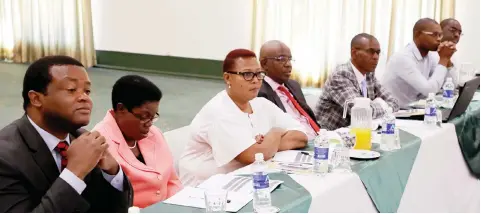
x=133 y=147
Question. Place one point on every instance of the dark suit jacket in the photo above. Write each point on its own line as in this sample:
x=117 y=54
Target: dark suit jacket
x=267 y=92
x=30 y=182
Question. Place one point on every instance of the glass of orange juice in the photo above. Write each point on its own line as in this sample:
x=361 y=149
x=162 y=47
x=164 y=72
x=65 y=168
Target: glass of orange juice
x=363 y=138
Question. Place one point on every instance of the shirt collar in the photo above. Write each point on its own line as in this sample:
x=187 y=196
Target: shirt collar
x=114 y=133
x=49 y=139
x=412 y=46
x=359 y=76
x=274 y=85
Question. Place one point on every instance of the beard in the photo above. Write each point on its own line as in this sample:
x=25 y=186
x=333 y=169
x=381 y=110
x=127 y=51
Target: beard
x=60 y=123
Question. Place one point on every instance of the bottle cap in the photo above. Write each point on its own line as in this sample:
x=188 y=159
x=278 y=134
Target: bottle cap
x=134 y=209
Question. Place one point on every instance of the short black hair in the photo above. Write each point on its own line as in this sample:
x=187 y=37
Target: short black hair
x=38 y=75
x=356 y=40
x=133 y=91
x=447 y=21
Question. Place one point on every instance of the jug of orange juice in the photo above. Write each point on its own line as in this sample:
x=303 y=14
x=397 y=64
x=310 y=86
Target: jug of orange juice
x=361 y=120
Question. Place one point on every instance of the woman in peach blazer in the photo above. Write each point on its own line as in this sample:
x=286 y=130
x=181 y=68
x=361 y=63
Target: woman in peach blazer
x=139 y=147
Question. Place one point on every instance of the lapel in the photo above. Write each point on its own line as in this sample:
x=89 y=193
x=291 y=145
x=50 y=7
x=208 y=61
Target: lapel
x=146 y=149
x=149 y=150
x=353 y=79
x=295 y=94
x=38 y=148
x=146 y=146
x=271 y=93
x=370 y=85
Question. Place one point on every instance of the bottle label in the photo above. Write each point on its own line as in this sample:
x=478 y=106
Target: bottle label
x=260 y=180
x=431 y=111
x=321 y=153
x=389 y=129
x=448 y=93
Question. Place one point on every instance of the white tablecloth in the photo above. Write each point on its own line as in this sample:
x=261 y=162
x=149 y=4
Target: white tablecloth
x=440 y=180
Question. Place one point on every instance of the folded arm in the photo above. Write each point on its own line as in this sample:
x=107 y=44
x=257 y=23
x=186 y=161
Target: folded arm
x=293 y=140
x=293 y=135
x=230 y=139
x=406 y=69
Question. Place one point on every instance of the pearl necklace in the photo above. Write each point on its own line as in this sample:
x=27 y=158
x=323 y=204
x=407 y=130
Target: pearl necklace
x=133 y=147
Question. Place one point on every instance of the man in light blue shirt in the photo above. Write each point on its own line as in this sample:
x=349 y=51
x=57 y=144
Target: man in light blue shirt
x=422 y=66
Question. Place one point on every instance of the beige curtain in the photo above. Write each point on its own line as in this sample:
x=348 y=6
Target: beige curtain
x=319 y=31
x=31 y=29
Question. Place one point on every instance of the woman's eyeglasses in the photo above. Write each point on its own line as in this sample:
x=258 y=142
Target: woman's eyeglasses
x=249 y=75
x=144 y=119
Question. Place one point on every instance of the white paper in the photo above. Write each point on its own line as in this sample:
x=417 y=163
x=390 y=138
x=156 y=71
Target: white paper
x=194 y=197
x=232 y=183
x=293 y=156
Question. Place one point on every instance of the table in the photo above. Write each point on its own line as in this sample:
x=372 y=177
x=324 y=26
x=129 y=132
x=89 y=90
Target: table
x=467 y=130
x=439 y=180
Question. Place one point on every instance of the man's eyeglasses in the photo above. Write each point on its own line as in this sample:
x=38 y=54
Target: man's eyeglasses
x=454 y=31
x=282 y=59
x=249 y=75
x=434 y=34
x=144 y=119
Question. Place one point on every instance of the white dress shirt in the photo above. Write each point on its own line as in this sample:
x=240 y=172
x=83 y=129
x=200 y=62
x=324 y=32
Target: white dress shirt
x=361 y=80
x=410 y=77
x=221 y=131
x=78 y=184
x=291 y=109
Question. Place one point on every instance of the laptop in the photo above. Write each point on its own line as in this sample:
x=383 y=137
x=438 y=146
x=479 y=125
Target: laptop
x=466 y=94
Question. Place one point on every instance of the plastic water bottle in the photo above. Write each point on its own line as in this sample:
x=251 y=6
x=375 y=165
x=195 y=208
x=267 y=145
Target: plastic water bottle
x=340 y=160
x=260 y=180
x=430 y=117
x=388 y=133
x=448 y=93
x=321 y=153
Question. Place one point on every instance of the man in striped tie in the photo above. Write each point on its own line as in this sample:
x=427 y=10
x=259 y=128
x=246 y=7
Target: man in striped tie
x=275 y=59
x=354 y=79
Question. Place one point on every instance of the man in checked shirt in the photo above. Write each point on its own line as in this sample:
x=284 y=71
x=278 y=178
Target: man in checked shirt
x=354 y=79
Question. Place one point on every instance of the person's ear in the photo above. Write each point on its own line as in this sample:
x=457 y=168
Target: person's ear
x=353 y=53
x=227 y=78
x=264 y=64
x=121 y=108
x=36 y=98
x=417 y=34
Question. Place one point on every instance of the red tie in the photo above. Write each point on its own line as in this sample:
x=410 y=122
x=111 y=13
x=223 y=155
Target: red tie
x=61 y=148
x=299 y=108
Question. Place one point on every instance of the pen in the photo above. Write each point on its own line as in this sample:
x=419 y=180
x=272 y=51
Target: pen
x=306 y=153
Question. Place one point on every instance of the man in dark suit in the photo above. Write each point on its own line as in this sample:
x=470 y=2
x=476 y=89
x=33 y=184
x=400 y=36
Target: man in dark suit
x=275 y=59
x=46 y=163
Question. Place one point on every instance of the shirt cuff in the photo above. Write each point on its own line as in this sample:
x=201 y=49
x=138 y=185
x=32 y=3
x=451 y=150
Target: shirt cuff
x=381 y=102
x=117 y=181
x=74 y=181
